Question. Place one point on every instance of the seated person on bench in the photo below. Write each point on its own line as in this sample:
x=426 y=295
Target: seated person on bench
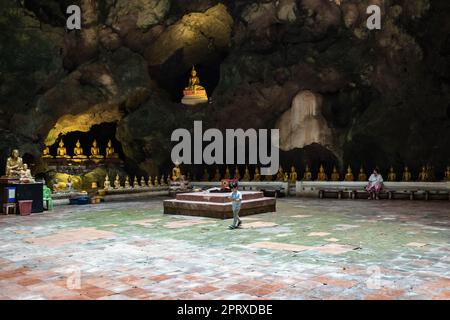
x=375 y=185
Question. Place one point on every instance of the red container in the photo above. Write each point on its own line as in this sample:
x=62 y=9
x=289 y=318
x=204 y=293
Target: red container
x=25 y=207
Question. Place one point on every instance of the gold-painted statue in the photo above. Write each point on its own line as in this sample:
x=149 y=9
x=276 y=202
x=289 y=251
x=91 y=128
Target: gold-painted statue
x=335 y=176
x=293 y=175
x=392 y=176
x=406 y=177
x=447 y=174
x=286 y=177
x=322 y=176
x=14 y=165
x=135 y=182
x=117 y=182
x=307 y=176
x=46 y=153
x=162 y=181
x=25 y=174
x=246 y=176
x=176 y=172
x=194 y=93
x=423 y=175
x=194 y=81
x=205 y=177
x=237 y=175
x=280 y=174
x=349 y=175
x=362 y=176
x=95 y=151
x=143 y=184
x=156 y=181
x=227 y=174
x=107 y=183
x=78 y=151
x=127 y=182
x=110 y=153
x=61 y=152
x=150 y=181
x=217 y=175
x=257 y=175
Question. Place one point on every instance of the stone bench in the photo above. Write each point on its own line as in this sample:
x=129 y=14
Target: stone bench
x=265 y=186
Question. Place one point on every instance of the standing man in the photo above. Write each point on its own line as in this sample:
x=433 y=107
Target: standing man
x=236 y=200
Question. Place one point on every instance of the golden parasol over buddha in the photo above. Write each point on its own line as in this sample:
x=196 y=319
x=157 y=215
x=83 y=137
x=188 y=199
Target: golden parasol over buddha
x=194 y=93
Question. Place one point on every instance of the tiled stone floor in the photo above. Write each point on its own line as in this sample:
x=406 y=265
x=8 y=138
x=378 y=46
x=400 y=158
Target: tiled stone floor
x=309 y=249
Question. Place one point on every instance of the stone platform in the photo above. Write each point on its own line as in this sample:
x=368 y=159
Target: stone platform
x=217 y=205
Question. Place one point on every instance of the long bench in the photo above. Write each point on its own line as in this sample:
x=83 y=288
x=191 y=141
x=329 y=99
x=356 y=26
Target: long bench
x=355 y=189
x=265 y=186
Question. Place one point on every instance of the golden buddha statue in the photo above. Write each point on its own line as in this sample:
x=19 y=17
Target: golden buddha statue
x=107 y=183
x=14 y=165
x=25 y=174
x=156 y=181
x=205 y=176
x=322 y=176
x=257 y=175
x=150 y=181
x=176 y=172
x=423 y=175
x=349 y=175
x=293 y=175
x=110 y=154
x=447 y=174
x=307 y=176
x=362 y=176
x=46 y=153
x=280 y=174
x=335 y=176
x=78 y=151
x=95 y=151
x=162 y=181
x=406 y=177
x=246 y=176
x=135 y=182
x=227 y=174
x=127 y=182
x=392 y=176
x=143 y=184
x=194 y=93
x=237 y=175
x=117 y=182
x=61 y=152
x=217 y=176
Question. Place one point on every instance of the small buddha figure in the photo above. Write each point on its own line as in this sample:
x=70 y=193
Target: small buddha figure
x=286 y=177
x=335 y=175
x=95 y=151
x=194 y=93
x=143 y=184
x=61 y=152
x=293 y=175
x=205 y=176
x=257 y=175
x=246 y=176
x=227 y=174
x=127 y=183
x=135 y=182
x=322 y=176
x=349 y=175
x=162 y=181
x=156 y=181
x=110 y=154
x=176 y=172
x=392 y=176
x=14 y=165
x=217 y=176
x=423 y=175
x=107 y=183
x=150 y=181
x=362 y=175
x=117 y=182
x=78 y=151
x=280 y=174
x=447 y=174
x=307 y=176
x=406 y=177
x=237 y=175
x=430 y=171
x=46 y=153
x=194 y=81
x=25 y=174
x=168 y=179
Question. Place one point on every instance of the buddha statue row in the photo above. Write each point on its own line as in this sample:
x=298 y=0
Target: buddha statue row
x=78 y=153
x=142 y=183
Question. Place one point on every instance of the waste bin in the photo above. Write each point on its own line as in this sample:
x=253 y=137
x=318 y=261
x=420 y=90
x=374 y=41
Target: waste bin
x=25 y=207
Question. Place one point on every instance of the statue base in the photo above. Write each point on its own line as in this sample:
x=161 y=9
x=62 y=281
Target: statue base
x=194 y=97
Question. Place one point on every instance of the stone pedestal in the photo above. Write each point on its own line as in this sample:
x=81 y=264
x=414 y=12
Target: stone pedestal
x=194 y=97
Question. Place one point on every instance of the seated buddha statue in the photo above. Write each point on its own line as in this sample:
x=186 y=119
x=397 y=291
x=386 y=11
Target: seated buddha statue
x=349 y=175
x=423 y=175
x=176 y=172
x=107 y=183
x=406 y=177
x=25 y=175
x=246 y=176
x=162 y=181
x=293 y=175
x=95 y=151
x=227 y=174
x=205 y=177
x=150 y=181
x=142 y=183
x=392 y=176
x=194 y=93
x=117 y=182
x=78 y=151
x=447 y=174
x=322 y=176
x=280 y=174
x=335 y=176
x=307 y=176
x=217 y=175
x=46 y=153
x=61 y=152
x=110 y=154
x=156 y=181
x=362 y=176
x=237 y=175
x=257 y=175
x=136 y=182
x=127 y=182
x=14 y=165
